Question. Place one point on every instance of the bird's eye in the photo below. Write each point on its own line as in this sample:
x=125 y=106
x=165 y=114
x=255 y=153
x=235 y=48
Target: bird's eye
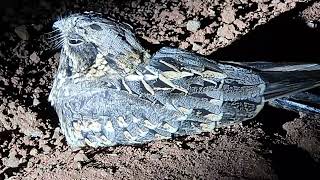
x=96 y=27
x=75 y=41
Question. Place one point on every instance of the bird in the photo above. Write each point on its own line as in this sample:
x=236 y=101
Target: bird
x=109 y=90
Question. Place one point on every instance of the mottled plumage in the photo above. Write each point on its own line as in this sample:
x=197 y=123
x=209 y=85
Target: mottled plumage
x=108 y=89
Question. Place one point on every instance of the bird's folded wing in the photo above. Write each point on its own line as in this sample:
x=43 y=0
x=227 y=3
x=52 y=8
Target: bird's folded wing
x=235 y=91
x=109 y=116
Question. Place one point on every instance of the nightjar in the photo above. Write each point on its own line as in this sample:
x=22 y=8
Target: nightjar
x=109 y=90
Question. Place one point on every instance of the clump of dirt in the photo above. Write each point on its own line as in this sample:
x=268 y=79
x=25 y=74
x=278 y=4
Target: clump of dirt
x=305 y=133
x=312 y=13
x=32 y=146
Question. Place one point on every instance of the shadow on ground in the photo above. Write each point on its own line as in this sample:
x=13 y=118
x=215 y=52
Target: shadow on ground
x=290 y=161
x=285 y=38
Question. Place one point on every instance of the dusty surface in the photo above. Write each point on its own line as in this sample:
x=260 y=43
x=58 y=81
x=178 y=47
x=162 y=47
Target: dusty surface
x=276 y=145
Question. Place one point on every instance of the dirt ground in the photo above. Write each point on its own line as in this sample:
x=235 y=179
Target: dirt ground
x=276 y=145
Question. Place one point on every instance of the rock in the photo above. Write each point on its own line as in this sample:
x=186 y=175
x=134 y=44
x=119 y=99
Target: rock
x=37 y=27
x=184 y=45
x=46 y=148
x=195 y=47
x=312 y=24
x=35 y=102
x=34 y=57
x=80 y=157
x=155 y=156
x=240 y=24
x=228 y=15
x=193 y=25
x=33 y=152
x=11 y=161
x=226 y=31
x=22 y=32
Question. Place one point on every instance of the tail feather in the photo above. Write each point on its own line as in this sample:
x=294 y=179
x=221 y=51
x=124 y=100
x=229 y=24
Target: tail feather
x=271 y=66
x=285 y=83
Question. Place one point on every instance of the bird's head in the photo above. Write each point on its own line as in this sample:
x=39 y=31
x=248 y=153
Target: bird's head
x=84 y=37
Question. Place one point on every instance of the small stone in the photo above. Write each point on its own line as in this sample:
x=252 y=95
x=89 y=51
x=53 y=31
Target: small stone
x=33 y=152
x=240 y=24
x=184 y=45
x=46 y=148
x=35 y=101
x=12 y=160
x=22 y=32
x=312 y=24
x=211 y=12
x=275 y=1
x=37 y=27
x=23 y=152
x=191 y=145
x=226 y=31
x=34 y=57
x=56 y=133
x=228 y=15
x=282 y=7
x=193 y=25
x=2 y=55
x=80 y=157
x=195 y=47
x=155 y=156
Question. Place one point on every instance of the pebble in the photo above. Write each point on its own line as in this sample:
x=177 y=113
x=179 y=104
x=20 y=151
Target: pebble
x=312 y=24
x=11 y=161
x=193 y=25
x=35 y=101
x=226 y=31
x=228 y=15
x=33 y=152
x=22 y=32
x=240 y=24
x=34 y=57
x=195 y=47
x=46 y=148
x=155 y=156
x=80 y=157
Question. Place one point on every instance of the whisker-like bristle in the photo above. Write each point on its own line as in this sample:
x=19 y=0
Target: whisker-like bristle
x=58 y=44
x=55 y=30
x=54 y=40
x=57 y=35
